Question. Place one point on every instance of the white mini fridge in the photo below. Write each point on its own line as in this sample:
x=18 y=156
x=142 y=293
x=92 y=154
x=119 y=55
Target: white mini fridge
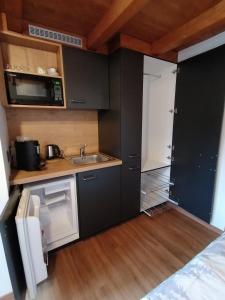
x=46 y=218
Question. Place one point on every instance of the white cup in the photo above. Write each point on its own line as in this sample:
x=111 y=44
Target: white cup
x=51 y=71
x=23 y=138
x=41 y=70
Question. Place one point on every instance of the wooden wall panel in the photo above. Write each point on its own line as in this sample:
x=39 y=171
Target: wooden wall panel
x=68 y=129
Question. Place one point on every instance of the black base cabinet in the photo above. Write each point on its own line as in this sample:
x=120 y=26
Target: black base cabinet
x=98 y=200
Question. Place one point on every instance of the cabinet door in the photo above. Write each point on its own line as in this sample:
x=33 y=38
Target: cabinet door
x=130 y=190
x=110 y=120
x=199 y=101
x=86 y=79
x=99 y=200
x=131 y=104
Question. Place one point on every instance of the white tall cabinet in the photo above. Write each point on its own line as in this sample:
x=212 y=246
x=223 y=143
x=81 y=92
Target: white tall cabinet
x=159 y=82
x=158 y=103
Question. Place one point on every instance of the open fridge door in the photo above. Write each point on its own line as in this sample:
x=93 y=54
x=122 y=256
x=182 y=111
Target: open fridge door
x=31 y=240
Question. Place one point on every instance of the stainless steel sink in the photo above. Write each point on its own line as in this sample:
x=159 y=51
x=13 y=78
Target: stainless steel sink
x=90 y=159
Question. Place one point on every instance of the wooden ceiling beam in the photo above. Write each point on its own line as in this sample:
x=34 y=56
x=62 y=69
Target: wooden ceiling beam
x=3 y=22
x=127 y=41
x=132 y=43
x=15 y=24
x=14 y=14
x=119 y=13
x=211 y=20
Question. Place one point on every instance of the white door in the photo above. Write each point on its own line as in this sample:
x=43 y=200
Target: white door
x=31 y=240
x=157 y=122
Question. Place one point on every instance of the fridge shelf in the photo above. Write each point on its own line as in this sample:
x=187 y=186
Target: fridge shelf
x=55 y=198
x=56 y=188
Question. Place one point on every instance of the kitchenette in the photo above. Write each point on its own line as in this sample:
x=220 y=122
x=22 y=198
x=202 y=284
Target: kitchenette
x=75 y=155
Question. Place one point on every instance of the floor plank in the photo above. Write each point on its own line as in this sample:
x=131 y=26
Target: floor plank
x=126 y=261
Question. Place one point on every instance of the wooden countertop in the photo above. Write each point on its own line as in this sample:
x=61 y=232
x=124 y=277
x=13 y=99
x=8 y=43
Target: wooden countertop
x=57 y=168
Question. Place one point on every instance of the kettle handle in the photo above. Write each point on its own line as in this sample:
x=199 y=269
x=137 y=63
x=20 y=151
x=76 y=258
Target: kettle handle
x=57 y=151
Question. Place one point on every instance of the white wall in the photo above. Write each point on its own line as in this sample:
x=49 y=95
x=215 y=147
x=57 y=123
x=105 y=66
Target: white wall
x=5 y=284
x=157 y=122
x=4 y=165
x=218 y=215
x=202 y=47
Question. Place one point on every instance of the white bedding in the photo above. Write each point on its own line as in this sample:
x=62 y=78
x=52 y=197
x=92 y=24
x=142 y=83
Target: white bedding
x=203 y=278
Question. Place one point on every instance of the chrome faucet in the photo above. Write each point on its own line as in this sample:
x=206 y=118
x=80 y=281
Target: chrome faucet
x=82 y=150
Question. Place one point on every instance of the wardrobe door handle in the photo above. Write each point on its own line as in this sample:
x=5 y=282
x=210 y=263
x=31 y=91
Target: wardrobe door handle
x=89 y=178
x=170 y=158
x=133 y=168
x=78 y=101
x=132 y=155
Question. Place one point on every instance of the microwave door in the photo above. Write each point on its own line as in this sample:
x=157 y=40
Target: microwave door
x=11 y=87
x=34 y=91
x=30 y=240
x=28 y=89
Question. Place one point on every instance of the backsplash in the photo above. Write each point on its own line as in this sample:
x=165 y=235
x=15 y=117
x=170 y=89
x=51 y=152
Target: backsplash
x=67 y=129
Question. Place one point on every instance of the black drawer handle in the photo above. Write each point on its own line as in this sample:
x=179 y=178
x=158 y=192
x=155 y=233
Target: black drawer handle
x=89 y=178
x=133 y=168
x=78 y=101
x=132 y=155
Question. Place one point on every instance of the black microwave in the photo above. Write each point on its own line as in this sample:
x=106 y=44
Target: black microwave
x=27 y=89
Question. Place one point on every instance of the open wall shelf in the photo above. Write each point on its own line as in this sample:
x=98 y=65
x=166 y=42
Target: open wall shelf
x=32 y=73
x=24 y=54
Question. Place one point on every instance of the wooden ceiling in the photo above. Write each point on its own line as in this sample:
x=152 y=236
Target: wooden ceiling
x=159 y=17
x=153 y=27
x=77 y=16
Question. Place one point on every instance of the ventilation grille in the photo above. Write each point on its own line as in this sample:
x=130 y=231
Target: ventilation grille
x=55 y=36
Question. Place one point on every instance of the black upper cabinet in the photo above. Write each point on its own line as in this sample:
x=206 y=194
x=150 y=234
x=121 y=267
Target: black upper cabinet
x=120 y=127
x=86 y=79
x=199 y=101
x=98 y=200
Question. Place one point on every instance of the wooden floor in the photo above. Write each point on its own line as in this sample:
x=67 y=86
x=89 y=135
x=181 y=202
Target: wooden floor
x=126 y=261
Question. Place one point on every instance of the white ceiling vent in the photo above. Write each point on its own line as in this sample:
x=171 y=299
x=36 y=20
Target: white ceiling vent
x=55 y=36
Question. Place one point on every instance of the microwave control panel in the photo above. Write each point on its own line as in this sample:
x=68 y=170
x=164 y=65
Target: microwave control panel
x=57 y=87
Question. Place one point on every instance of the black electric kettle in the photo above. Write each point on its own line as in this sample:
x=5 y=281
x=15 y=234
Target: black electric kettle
x=53 y=151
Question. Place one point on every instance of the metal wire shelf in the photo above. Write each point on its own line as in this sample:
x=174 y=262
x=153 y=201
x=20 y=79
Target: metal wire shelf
x=155 y=188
